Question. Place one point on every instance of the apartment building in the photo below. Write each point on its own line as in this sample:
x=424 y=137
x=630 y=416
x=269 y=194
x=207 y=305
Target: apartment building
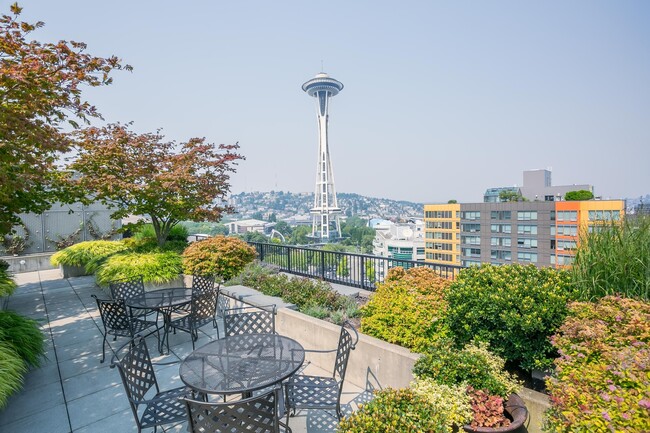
x=544 y=233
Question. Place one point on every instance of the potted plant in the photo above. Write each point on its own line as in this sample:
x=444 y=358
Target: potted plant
x=485 y=394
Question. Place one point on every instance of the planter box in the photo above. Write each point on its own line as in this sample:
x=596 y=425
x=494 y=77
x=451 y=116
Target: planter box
x=68 y=271
x=29 y=262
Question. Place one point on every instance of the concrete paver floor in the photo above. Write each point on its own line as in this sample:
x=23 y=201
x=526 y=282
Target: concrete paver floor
x=72 y=392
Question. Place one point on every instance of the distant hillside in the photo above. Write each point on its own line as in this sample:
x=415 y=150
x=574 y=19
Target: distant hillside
x=287 y=204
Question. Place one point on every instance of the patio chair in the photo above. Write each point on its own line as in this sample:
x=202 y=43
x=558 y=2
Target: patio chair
x=258 y=414
x=202 y=311
x=151 y=407
x=128 y=288
x=321 y=392
x=201 y=284
x=249 y=320
x=119 y=323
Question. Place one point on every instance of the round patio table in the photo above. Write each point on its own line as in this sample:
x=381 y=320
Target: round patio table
x=164 y=301
x=242 y=363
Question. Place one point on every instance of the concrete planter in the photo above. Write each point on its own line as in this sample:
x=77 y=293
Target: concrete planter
x=68 y=271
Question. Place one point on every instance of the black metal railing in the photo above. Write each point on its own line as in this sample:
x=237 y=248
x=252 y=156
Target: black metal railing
x=356 y=270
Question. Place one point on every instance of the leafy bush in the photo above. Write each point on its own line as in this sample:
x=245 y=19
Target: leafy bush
x=83 y=252
x=220 y=256
x=452 y=401
x=406 y=308
x=487 y=409
x=581 y=194
x=155 y=267
x=146 y=232
x=614 y=259
x=602 y=379
x=395 y=411
x=13 y=368
x=24 y=335
x=512 y=307
x=474 y=365
x=7 y=285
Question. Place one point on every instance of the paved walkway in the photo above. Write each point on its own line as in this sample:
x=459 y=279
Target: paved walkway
x=71 y=392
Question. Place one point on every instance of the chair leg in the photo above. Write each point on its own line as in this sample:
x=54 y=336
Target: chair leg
x=103 y=350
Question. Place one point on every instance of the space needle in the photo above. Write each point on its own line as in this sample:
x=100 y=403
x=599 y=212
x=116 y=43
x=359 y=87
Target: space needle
x=325 y=213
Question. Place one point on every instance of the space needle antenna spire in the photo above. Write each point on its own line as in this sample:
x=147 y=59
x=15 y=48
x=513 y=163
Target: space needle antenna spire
x=325 y=212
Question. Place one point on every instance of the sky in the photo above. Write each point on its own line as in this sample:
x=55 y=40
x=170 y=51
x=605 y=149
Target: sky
x=442 y=99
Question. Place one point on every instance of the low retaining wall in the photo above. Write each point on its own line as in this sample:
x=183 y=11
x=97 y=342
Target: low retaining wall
x=29 y=262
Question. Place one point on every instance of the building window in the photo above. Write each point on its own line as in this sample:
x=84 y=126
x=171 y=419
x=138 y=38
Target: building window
x=472 y=228
x=552 y=215
x=501 y=228
x=567 y=215
x=604 y=215
x=526 y=215
x=500 y=242
x=526 y=229
x=566 y=245
x=470 y=215
x=501 y=255
x=468 y=263
x=527 y=257
x=471 y=252
x=470 y=240
x=500 y=215
x=526 y=243
x=549 y=198
x=566 y=230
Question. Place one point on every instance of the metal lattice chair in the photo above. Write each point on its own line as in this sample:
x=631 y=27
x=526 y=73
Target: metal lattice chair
x=119 y=323
x=128 y=288
x=257 y=414
x=249 y=320
x=202 y=283
x=151 y=407
x=321 y=392
x=202 y=311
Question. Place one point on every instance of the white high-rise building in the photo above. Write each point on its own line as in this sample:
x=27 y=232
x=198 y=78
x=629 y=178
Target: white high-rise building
x=325 y=213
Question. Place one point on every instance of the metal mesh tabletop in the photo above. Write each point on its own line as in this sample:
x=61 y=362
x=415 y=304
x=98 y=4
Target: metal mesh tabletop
x=242 y=363
x=162 y=298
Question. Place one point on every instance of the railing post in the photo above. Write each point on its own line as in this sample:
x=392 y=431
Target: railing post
x=362 y=272
x=322 y=264
x=289 y=259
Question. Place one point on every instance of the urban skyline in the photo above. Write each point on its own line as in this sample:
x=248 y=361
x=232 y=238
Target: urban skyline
x=445 y=99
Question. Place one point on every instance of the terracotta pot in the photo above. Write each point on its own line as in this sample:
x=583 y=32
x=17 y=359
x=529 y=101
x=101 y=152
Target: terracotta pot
x=515 y=409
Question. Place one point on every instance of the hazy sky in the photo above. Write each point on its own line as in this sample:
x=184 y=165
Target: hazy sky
x=442 y=99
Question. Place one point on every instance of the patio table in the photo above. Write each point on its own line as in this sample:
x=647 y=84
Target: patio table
x=241 y=363
x=164 y=301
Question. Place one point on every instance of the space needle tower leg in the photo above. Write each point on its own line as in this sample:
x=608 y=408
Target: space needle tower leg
x=325 y=212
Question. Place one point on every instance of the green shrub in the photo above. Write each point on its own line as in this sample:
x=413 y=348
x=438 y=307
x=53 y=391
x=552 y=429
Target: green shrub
x=7 y=285
x=24 y=335
x=512 y=307
x=474 y=365
x=614 y=259
x=83 y=252
x=581 y=194
x=602 y=379
x=12 y=369
x=220 y=256
x=154 y=267
x=395 y=411
x=406 y=308
x=317 y=311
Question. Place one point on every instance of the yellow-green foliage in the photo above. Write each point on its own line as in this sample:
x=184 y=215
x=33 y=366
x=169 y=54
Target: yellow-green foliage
x=602 y=378
x=395 y=411
x=512 y=307
x=220 y=256
x=83 y=252
x=406 y=308
x=12 y=369
x=7 y=285
x=450 y=400
x=154 y=267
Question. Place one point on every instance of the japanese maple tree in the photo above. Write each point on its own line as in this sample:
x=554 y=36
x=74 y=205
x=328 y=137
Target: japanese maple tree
x=142 y=174
x=40 y=97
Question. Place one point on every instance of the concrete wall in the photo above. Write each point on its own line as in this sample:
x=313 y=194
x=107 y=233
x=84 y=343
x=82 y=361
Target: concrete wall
x=29 y=263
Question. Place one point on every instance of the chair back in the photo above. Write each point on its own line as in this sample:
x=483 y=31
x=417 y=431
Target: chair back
x=257 y=414
x=203 y=307
x=136 y=371
x=346 y=344
x=114 y=315
x=201 y=283
x=249 y=320
x=126 y=288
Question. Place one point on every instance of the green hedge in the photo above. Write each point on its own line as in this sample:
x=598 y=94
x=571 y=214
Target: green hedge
x=406 y=309
x=82 y=253
x=154 y=267
x=7 y=285
x=512 y=307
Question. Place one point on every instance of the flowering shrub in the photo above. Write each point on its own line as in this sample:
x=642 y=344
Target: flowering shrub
x=395 y=411
x=451 y=401
x=473 y=365
x=514 y=308
x=602 y=378
x=406 y=308
x=220 y=255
